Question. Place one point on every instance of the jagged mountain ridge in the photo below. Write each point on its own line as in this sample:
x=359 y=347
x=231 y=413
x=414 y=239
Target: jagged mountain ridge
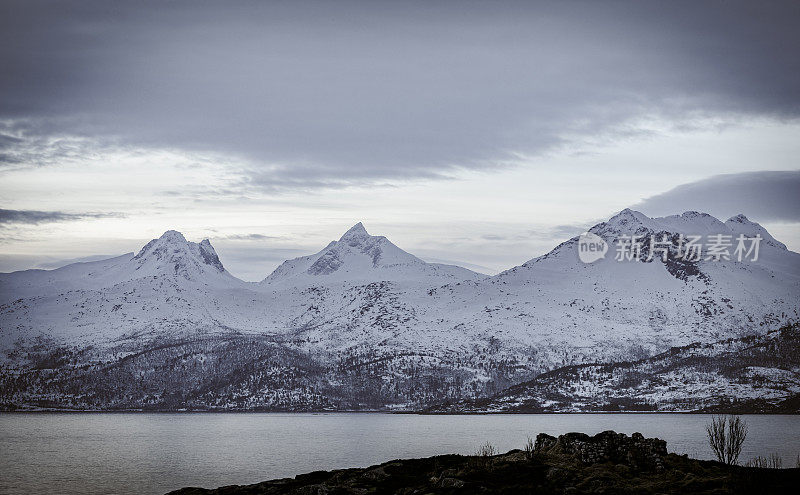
x=170 y=255
x=170 y=286
x=360 y=257
x=384 y=317
x=608 y=309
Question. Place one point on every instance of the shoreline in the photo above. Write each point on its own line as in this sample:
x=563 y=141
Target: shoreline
x=399 y=413
x=573 y=463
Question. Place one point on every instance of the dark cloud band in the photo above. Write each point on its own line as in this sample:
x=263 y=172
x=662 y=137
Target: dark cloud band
x=766 y=196
x=34 y=217
x=326 y=94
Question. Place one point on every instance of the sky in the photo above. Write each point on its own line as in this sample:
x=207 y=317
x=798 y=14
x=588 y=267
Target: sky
x=476 y=133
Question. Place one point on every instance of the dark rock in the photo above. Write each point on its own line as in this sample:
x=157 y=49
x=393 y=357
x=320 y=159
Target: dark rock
x=635 y=451
x=451 y=483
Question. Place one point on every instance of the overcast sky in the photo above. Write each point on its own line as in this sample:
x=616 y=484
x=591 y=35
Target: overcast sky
x=482 y=133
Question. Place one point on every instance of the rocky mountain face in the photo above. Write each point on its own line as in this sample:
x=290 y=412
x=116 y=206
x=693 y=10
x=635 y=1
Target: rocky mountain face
x=758 y=373
x=363 y=324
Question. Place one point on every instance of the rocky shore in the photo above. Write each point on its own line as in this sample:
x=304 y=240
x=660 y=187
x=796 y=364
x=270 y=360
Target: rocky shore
x=575 y=463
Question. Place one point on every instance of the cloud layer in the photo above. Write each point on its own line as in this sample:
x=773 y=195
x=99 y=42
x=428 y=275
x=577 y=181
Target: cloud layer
x=35 y=217
x=333 y=93
x=764 y=196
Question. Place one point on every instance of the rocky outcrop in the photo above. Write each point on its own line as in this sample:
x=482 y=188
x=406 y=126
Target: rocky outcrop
x=635 y=451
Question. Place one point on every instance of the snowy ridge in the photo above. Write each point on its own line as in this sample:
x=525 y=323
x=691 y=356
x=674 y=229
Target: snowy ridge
x=188 y=259
x=169 y=256
x=573 y=312
x=369 y=325
x=170 y=284
x=360 y=257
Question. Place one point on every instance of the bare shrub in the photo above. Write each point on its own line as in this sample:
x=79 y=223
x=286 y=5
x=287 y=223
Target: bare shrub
x=482 y=455
x=726 y=435
x=529 y=449
x=486 y=450
x=774 y=461
x=756 y=462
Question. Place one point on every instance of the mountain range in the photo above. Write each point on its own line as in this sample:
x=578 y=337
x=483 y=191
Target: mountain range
x=364 y=325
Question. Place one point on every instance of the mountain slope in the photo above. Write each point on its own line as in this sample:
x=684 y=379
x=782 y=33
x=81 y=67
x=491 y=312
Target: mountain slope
x=572 y=312
x=753 y=374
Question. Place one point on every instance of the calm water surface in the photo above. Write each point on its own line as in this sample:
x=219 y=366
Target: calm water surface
x=156 y=453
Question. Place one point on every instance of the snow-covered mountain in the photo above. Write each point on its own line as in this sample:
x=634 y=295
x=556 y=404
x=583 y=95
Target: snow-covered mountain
x=170 y=286
x=358 y=257
x=173 y=286
x=170 y=256
x=364 y=324
x=574 y=312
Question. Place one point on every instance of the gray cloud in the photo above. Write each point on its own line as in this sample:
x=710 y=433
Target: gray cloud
x=470 y=266
x=325 y=94
x=565 y=232
x=764 y=196
x=248 y=237
x=253 y=262
x=52 y=264
x=34 y=217
x=556 y=233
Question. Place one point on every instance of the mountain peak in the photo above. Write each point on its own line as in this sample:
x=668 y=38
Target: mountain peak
x=357 y=231
x=628 y=215
x=359 y=257
x=172 y=236
x=632 y=222
x=210 y=255
x=168 y=240
x=625 y=221
x=740 y=218
x=181 y=256
x=740 y=224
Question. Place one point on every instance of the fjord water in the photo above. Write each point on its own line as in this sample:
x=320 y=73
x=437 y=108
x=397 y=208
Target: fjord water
x=122 y=453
